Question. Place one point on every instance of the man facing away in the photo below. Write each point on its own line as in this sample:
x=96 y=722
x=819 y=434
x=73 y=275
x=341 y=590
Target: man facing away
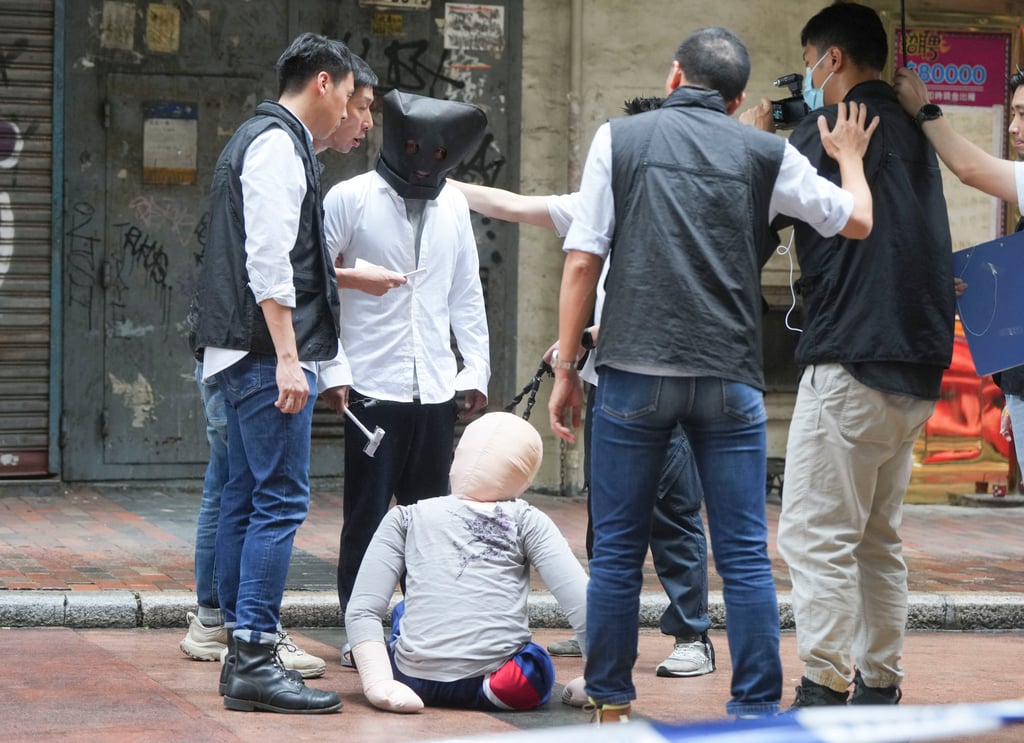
x=682 y=199
x=267 y=307
x=678 y=542
x=878 y=334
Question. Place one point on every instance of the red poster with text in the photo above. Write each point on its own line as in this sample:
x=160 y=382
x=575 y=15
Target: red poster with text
x=960 y=68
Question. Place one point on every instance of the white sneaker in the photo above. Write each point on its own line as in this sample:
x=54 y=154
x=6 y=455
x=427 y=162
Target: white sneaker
x=689 y=659
x=293 y=658
x=573 y=693
x=202 y=642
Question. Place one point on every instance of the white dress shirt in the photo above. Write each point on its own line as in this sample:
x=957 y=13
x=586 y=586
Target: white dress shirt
x=799 y=192
x=401 y=342
x=273 y=182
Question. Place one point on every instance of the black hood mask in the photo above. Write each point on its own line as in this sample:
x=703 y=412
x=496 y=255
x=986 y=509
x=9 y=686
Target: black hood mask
x=424 y=140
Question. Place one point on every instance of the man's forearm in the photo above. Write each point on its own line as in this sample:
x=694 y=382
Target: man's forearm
x=282 y=333
x=576 y=299
x=971 y=164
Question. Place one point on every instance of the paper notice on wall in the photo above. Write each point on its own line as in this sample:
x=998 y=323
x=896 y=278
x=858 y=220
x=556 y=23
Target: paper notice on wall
x=169 y=143
x=118 y=30
x=479 y=27
x=163 y=28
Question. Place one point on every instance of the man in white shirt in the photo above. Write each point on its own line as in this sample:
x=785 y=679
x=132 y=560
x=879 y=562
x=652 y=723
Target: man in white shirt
x=397 y=366
x=685 y=214
x=267 y=313
x=206 y=638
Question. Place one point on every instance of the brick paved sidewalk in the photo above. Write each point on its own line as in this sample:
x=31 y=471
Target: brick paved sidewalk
x=140 y=537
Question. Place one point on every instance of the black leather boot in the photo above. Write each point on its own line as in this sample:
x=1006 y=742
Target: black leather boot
x=257 y=682
x=229 y=663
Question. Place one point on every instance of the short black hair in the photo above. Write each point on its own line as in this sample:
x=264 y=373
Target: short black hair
x=363 y=74
x=854 y=28
x=1016 y=80
x=715 y=58
x=306 y=56
x=641 y=105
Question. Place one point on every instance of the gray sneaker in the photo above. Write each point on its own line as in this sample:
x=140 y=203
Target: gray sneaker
x=689 y=658
x=565 y=648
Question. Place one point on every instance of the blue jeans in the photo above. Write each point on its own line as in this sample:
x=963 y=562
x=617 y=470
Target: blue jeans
x=266 y=497
x=678 y=544
x=679 y=547
x=523 y=682
x=634 y=417
x=209 y=506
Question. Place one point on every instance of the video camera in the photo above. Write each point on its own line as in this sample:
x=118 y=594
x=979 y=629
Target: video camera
x=788 y=112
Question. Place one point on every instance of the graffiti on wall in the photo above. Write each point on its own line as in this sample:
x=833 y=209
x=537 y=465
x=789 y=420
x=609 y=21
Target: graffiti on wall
x=11 y=144
x=455 y=75
x=81 y=249
x=139 y=251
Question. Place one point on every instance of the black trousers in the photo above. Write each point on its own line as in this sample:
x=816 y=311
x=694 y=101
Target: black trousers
x=411 y=463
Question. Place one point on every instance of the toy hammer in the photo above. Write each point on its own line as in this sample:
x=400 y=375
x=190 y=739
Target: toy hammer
x=373 y=439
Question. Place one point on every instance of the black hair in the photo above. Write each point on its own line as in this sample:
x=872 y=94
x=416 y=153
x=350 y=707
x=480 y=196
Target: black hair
x=1016 y=80
x=308 y=55
x=640 y=105
x=715 y=58
x=364 y=76
x=854 y=28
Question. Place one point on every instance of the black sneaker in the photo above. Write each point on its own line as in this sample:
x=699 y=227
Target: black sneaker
x=864 y=694
x=810 y=694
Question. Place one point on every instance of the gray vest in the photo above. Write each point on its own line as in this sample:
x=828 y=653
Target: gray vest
x=692 y=188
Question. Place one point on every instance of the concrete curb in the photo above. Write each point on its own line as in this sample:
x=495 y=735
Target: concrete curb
x=156 y=610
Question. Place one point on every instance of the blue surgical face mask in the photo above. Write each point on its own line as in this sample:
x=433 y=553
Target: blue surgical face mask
x=815 y=97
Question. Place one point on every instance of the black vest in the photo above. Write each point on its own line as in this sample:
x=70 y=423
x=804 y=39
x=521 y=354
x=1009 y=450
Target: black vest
x=226 y=312
x=888 y=297
x=692 y=188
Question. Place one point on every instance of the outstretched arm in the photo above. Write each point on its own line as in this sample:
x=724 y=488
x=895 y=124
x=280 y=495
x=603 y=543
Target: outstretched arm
x=971 y=164
x=507 y=205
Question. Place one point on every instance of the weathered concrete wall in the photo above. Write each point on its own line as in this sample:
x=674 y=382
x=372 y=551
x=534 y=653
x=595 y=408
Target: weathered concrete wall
x=625 y=50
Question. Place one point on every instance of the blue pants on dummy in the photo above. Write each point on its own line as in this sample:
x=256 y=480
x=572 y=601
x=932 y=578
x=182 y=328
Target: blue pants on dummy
x=523 y=682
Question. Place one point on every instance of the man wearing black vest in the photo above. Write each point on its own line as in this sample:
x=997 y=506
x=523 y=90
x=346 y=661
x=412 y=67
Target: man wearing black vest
x=877 y=335
x=267 y=308
x=682 y=198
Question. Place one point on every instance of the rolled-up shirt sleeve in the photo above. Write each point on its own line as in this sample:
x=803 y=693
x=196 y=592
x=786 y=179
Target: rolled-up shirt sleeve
x=594 y=222
x=804 y=195
x=273 y=187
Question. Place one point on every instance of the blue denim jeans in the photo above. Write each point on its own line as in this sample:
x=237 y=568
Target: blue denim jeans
x=209 y=506
x=724 y=421
x=266 y=497
x=523 y=682
x=679 y=547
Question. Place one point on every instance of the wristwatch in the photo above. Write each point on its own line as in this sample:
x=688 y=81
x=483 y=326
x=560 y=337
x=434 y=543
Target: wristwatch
x=557 y=363
x=928 y=112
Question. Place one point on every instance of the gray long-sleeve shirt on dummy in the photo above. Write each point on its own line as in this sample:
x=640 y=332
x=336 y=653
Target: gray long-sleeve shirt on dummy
x=468 y=579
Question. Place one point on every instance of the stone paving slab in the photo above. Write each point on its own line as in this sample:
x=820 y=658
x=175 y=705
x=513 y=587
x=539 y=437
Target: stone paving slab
x=121 y=555
x=135 y=685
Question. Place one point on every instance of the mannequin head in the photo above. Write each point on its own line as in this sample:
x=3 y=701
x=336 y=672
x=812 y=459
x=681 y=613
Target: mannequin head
x=497 y=458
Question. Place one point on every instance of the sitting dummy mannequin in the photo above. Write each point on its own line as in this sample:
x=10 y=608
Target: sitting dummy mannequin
x=461 y=636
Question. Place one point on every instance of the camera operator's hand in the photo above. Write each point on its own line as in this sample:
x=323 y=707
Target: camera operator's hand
x=849 y=137
x=759 y=116
x=910 y=90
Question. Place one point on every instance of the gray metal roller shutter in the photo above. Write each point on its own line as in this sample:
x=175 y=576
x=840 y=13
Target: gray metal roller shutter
x=26 y=136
